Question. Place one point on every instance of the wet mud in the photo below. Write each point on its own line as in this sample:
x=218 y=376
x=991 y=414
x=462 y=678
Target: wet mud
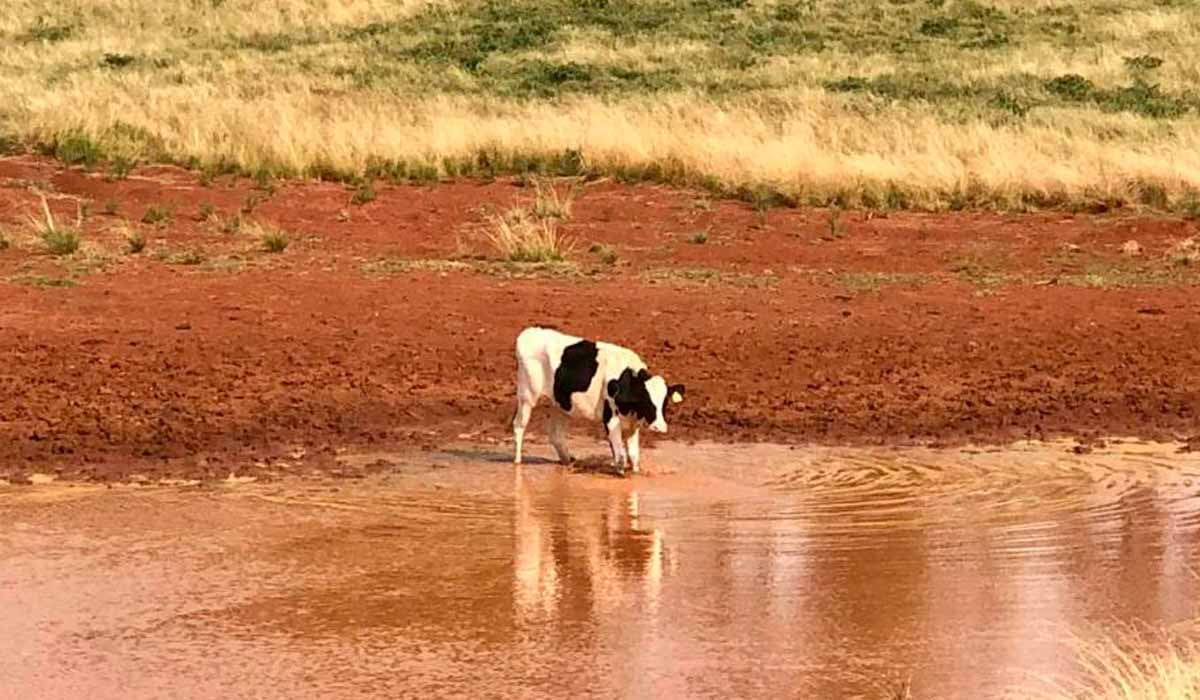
x=744 y=571
x=390 y=324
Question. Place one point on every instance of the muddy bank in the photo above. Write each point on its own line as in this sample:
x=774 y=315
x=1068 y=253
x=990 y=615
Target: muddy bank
x=387 y=324
x=730 y=571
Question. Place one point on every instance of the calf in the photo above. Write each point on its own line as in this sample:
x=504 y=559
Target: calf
x=592 y=380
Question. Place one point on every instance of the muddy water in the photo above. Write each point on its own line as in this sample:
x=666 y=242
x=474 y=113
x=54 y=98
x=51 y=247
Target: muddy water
x=730 y=572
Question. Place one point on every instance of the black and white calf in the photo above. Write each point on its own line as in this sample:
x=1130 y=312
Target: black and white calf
x=593 y=380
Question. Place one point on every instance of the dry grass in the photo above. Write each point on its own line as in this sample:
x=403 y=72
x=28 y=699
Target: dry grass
x=1134 y=666
x=522 y=237
x=927 y=105
x=1185 y=252
x=57 y=238
x=551 y=201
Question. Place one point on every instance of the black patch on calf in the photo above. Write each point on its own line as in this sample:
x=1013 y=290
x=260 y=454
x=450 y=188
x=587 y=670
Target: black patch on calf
x=631 y=396
x=575 y=372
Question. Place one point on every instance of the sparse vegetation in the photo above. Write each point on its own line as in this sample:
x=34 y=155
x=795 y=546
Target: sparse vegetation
x=58 y=239
x=552 y=202
x=184 y=257
x=157 y=215
x=520 y=237
x=135 y=242
x=271 y=238
x=274 y=242
x=1134 y=665
x=709 y=276
x=230 y=225
x=834 y=230
x=772 y=102
x=120 y=167
x=45 y=281
x=1185 y=252
x=605 y=253
x=364 y=193
x=860 y=282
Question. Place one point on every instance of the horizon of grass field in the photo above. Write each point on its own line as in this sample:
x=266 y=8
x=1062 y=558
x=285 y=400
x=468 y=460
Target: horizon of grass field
x=926 y=104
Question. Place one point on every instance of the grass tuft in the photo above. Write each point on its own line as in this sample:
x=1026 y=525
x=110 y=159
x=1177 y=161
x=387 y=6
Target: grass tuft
x=135 y=242
x=520 y=237
x=58 y=239
x=551 y=202
x=157 y=215
x=605 y=253
x=362 y=194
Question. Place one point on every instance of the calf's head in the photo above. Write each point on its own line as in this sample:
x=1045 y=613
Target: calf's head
x=645 y=398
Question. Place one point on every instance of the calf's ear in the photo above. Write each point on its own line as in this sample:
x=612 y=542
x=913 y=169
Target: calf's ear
x=676 y=392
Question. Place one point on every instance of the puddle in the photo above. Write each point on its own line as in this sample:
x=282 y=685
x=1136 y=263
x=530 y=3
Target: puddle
x=752 y=571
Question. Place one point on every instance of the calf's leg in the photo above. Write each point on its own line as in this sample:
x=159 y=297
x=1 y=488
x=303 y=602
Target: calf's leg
x=615 y=443
x=634 y=451
x=558 y=436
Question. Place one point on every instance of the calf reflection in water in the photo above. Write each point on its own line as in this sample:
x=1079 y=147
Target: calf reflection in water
x=578 y=564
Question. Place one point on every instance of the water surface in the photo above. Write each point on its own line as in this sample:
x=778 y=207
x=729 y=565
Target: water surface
x=754 y=571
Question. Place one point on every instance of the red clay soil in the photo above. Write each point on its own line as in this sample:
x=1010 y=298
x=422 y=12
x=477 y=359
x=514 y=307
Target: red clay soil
x=386 y=325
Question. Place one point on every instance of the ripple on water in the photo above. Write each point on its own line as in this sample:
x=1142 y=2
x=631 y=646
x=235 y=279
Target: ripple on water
x=744 y=571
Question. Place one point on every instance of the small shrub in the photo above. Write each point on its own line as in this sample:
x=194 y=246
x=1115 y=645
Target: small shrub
x=48 y=33
x=362 y=194
x=58 y=239
x=520 y=237
x=1071 y=87
x=156 y=215
x=1190 y=206
x=231 y=225
x=1185 y=252
x=424 y=174
x=835 y=224
x=186 y=257
x=1153 y=194
x=117 y=60
x=135 y=242
x=275 y=242
x=76 y=148
x=607 y=255
x=938 y=26
x=699 y=238
x=1143 y=62
x=120 y=167
x=551 y=203
x=262 y=180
